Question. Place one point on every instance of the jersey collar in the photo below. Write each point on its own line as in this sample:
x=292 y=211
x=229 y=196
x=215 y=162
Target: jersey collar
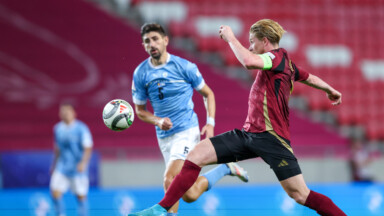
x=159 y=66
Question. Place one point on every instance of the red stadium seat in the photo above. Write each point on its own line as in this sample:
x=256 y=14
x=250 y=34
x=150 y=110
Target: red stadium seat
x=209 y=44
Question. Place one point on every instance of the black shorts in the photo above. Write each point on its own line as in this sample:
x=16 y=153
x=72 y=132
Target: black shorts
x=237 y=145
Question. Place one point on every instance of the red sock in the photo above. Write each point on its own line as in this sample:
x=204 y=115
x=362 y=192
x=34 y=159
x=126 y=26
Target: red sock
x=323 y=205
x=180 y=184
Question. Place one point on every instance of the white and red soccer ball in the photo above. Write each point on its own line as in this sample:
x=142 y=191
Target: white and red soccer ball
x=118 y=115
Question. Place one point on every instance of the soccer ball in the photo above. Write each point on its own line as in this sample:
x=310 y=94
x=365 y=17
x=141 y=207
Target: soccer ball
x=118 y=115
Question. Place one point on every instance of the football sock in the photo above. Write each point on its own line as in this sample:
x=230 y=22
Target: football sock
x=180 y=184
x=83 y=207
x=59 y=206
x=216 y=174
x=323 y=205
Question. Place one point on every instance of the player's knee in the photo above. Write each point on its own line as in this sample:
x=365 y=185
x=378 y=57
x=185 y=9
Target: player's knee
x=298 y=197
x=195 y=157
x=56 y=194
x=190 y=197
x=167 y=182
x=192 y=156
x=81 y=197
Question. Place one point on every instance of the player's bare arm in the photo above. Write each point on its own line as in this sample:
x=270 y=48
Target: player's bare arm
x=318 y=83
x=82 y=165
x=146 y=116
x=56 y=152
x=210 y=106
x=248 y=59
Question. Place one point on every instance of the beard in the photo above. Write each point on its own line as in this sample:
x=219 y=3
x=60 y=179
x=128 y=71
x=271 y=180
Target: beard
x=155 y=55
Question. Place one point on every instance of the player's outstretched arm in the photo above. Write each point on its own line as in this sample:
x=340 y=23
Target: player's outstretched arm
x=210 y=106
x=316 y=82
x=248 y=59
x=146 y=116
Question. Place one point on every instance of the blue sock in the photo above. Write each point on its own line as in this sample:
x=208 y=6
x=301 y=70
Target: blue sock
x=59 y=206
x=216 y=174
x=83 y=207
x=171 y=214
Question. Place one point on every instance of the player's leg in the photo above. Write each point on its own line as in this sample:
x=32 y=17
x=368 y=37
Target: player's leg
x=171 y=171
x=203 y=154
x=297 y=189
x=180 y=145
x=80 y=184
x=218 y=149
x=58 y=202
x=204 y=182
x=83 y=208
x=188 y=140
x=175 y=149
x=228 y=147
x=172 y=166
x=198 y=188
x=277 y=152
x=201 y=185
x=59 y=184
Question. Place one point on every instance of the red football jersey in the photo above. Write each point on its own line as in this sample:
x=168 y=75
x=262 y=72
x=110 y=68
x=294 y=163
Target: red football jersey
x=268 y=100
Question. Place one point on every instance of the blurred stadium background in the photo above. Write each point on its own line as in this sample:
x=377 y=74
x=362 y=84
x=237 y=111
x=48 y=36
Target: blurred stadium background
x=86 y=50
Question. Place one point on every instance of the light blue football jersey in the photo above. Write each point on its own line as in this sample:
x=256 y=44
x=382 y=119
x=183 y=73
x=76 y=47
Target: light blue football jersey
x=71 y=141
x=169 y=88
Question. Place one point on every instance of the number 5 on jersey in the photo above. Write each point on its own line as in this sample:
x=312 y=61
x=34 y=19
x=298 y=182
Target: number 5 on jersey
x=161 y=95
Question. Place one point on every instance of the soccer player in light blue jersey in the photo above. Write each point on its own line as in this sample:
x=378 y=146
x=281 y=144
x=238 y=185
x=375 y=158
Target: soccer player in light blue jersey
x=168 y=81
x=265 y=133
x=72 y=152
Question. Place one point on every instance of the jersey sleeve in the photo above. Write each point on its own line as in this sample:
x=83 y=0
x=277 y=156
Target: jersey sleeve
x=194 y=76
x=278 y=61
x=86 y=137
x=300 y=73
x=139 y=93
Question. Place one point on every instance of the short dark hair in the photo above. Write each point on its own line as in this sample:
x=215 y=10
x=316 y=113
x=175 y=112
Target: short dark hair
x=68 y=102
x=149 y=27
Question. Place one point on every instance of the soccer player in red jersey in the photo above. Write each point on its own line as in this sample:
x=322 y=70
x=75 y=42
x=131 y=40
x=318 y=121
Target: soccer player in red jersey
x=265 y=133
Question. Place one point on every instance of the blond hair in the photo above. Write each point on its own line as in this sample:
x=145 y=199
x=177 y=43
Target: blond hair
x=269 y=29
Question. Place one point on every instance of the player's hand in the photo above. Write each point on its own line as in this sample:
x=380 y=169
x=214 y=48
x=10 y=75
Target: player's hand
x=164 y=123
x=334 y=96
x=226 y=33
x=81 y=167
x=208 y=131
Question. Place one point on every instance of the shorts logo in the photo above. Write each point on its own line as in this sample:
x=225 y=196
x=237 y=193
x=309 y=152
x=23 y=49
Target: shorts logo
x=283 y=163
x=186 y=150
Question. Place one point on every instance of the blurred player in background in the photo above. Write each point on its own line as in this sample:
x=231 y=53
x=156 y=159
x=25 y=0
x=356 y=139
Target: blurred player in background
x=167 y=81
x=265 y=133
x=72 y=152
x=360 y=159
